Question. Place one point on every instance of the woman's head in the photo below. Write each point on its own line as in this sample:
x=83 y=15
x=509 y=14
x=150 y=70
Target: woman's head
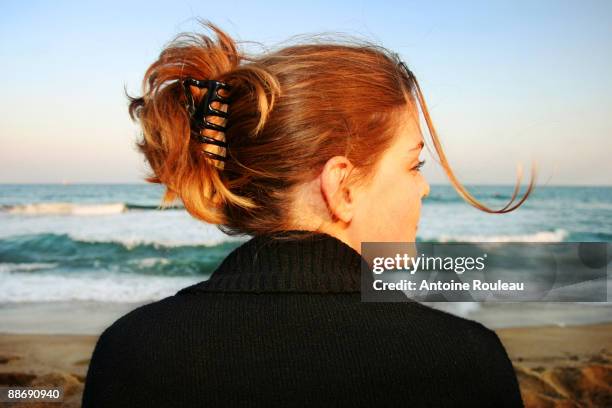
x=320 y=136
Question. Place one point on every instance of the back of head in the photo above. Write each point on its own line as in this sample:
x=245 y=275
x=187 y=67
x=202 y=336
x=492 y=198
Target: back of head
x=291 y=110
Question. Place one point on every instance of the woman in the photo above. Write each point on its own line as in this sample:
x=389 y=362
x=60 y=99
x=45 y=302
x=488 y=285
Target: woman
x=311 y=150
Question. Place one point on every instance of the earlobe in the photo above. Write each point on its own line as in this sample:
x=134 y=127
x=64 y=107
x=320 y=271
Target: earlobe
x=343 y=209
x=347 y=205
x=334 y=189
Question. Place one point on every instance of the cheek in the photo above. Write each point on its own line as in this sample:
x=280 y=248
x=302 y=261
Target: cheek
x=396 y=208
x=405 y=205
x=403 y=194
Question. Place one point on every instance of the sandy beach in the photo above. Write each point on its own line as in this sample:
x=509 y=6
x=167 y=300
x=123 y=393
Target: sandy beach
x=562 y=366
x=556 y=366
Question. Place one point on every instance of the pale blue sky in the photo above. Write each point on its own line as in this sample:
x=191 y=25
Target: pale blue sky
x=506 y=82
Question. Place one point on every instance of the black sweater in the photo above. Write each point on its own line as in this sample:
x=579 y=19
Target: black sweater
x=280 y=323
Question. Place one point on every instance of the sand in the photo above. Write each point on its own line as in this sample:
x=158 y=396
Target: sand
x=562 y=366
x=556 y=366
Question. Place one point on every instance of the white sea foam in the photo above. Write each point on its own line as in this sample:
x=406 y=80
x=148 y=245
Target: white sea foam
x=67 y=208
x=149 y=262
x=558 y=235
x=463 y=309
x=133 y=242
x=17 y=288
x=25 y=267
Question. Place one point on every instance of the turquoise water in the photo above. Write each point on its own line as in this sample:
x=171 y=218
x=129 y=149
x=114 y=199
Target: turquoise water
x=110 y=243
x=550 y=214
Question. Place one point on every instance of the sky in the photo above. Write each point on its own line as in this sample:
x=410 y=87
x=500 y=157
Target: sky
x=507 y=82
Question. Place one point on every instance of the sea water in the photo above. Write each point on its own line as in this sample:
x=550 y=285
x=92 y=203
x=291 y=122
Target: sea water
x=108 y=247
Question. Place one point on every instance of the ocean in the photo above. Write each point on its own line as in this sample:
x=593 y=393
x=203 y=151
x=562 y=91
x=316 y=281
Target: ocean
x=110 y=247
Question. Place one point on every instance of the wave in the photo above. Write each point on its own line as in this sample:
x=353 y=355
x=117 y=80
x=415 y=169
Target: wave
x=26 y=267
x=558 y=235
x=41 y=253
x=67 y=208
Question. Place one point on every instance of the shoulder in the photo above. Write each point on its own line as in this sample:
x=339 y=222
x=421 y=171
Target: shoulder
x=138 y=325
x=132 y=331
x=466 y=359
x=416 y=315
x=418 y=324
x=127 y=354
x=471 y=356
x=144 y=327
x=458 y=331
x=478 y=353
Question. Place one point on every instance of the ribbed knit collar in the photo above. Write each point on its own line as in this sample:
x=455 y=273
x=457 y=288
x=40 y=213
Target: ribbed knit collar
x=314 y=262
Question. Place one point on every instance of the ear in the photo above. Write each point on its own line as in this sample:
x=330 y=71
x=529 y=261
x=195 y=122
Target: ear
x=338 y=195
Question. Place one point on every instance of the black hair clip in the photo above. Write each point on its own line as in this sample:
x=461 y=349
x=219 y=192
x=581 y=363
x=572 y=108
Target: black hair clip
x=198 y=114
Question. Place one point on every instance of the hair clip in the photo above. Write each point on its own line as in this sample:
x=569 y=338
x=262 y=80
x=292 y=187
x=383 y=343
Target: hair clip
x=198 y=114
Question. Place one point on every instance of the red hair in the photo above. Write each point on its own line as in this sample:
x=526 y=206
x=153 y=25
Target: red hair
x=292 y=110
